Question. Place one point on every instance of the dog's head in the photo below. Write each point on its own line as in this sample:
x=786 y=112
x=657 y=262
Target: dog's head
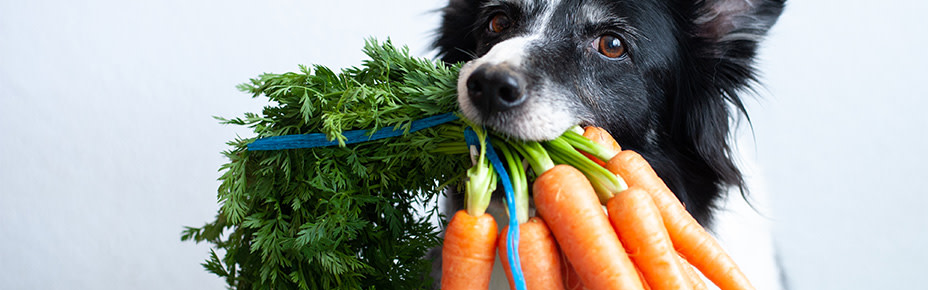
x=660 y=75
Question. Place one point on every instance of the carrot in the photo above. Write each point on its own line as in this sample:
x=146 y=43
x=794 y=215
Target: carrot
x=600 y=136
x=638 y=223
x=541 y=260
x=691 y=274
x=689 y=238
x=568 y=203
x=641 y=277
x=570 y=276
x=468 y=252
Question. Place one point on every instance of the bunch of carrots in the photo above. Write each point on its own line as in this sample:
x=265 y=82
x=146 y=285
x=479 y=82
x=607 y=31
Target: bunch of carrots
x=645 y=239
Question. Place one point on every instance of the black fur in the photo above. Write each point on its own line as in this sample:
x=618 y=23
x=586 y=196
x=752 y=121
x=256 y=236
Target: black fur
x=672 y=101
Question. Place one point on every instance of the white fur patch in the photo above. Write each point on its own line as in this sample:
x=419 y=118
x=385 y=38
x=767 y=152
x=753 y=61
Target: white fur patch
x=538 y=120
x=509 y=52
x=546 y=14
x=541 y=120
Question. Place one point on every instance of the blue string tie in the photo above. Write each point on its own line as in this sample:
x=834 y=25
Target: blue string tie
x=512 y=243
x=313 y=140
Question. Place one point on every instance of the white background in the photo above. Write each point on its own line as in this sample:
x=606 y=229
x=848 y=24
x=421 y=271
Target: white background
x=108 y=147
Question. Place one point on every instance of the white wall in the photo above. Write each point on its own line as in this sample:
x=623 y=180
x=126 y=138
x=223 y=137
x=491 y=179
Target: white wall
x=107 y=142
x=108 y=148
x=841 y=140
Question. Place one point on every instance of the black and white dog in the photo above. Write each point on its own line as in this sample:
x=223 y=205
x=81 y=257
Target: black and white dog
x=663 y=76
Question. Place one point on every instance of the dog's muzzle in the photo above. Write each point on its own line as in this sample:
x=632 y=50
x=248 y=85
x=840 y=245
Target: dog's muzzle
x=495 y=88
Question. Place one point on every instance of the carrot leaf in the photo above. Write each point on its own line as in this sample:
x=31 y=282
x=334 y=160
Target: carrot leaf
x=355 y=216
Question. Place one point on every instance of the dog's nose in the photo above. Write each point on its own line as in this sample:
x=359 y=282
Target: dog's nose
x=494 y=88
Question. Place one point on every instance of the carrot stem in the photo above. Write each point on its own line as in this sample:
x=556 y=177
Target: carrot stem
x=606 y=183
x=536 y=155
x=519 y=181
x=512 y=243
x=577 y=140
x=481 y=180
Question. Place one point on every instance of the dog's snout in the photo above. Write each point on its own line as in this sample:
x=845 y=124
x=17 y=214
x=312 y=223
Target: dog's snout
x=494 y=88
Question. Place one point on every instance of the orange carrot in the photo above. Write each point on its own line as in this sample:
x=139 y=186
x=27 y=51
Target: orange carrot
x=568 y=203
x=468 y=252
x=638 y=223
x=689 y=238
x=641 y=277
x=600 y=136
x=540 y=258
x=571 y=278
x=691 y=275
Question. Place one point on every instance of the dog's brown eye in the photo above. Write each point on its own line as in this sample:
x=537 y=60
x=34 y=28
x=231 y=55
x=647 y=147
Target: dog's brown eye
x=610 y=46
x=499 y=23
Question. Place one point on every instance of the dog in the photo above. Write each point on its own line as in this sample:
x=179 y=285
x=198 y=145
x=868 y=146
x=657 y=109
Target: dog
x=665 y=77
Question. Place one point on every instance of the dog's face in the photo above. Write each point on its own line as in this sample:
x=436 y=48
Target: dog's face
x=545 y=66
x=662 y=76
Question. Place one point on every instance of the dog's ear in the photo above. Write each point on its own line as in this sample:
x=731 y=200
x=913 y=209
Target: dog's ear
x=727 y=20
x=456 y=41
x=724 y=38
x=729 y=31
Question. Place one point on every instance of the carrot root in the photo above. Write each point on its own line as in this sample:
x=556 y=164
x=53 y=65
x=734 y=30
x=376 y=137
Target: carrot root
x=541 y=259
x=468 y=252
x=641 y=230
x=571 y=278
x=568 y=203
x=691 y=275
x=602 y=137
x=688 y=237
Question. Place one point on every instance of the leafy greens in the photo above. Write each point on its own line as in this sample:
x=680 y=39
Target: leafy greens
x=340 y=217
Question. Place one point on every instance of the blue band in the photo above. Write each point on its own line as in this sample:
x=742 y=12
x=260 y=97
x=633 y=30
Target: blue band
x=512 y=243
x=354 y=136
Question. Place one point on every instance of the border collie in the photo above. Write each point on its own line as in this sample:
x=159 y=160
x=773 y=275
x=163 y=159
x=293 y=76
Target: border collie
x=664 y=77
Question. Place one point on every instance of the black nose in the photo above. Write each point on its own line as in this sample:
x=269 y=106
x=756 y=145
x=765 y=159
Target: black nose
x=494 y=88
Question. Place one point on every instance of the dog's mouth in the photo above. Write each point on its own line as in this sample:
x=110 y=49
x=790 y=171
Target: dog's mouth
x=585 y=123
x=530 y=121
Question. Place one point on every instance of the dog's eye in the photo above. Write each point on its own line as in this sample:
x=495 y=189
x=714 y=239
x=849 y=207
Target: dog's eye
x=610 y=46
x=499 y=23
